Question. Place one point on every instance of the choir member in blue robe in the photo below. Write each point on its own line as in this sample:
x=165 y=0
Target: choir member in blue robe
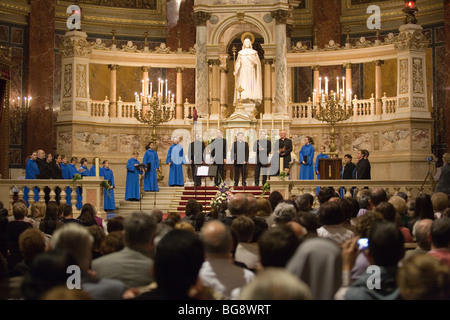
x=306 y=158
x=151 y=177
x=321 y=155
x=31 y=171
x=84 y=172
x=65 y=173
x=175 y=159
x=92 y=170
x=72 y=171
x=132 y=181
x=109 y=203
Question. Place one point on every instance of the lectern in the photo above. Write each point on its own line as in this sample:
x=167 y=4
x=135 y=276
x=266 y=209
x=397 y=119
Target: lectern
x=330 y=168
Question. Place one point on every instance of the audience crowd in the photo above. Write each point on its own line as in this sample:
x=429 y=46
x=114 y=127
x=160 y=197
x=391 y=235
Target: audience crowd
x=375 y=246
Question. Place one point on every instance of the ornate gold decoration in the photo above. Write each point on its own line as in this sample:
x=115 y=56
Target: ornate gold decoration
x=249 y=35
x=81 y=81
x=280 y=16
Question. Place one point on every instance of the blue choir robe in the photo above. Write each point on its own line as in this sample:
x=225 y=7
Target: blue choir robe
x=132 y=180
x=72 y=170
x=316 y=166
x=151 y=178
x=306 y=171
x=31 y=171
x=175 y=156
x=92 y=171
x=109 y=202
x=84 y=172
x=65 y=172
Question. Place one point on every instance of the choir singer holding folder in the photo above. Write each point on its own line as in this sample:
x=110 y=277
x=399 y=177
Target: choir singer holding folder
x=306 y=157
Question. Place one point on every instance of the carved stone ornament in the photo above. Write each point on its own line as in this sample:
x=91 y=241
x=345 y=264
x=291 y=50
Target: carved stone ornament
x=415 y=40
x=363 y=43
x=75 y=48
x=280 y=16
x=98 y=44
x=390 y=38
x=200 y=18
x=163 y=48
x=332 y=45
x=299 y=47
x=129 y=47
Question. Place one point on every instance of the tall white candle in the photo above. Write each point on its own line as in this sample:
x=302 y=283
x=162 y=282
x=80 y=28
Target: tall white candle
x=320 y=84
x=337 y=85
x=151 y=89
x=167 y=97
x=97 y=168
x=343 y=85
x=326 y=85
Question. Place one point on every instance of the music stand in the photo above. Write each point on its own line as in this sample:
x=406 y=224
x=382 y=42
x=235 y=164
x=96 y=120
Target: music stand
x=205 y=171
x=141 y=167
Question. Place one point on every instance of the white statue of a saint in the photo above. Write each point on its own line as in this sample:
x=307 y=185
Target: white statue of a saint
x=248 y=74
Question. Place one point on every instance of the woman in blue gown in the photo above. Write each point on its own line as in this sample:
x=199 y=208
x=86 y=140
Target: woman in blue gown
x=109 y=203
x=175 y=159
x=151 y=177
x=306 y=158
x=132 y=181
x=31 y=171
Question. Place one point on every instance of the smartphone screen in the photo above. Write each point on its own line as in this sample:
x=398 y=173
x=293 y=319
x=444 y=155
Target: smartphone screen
x=363 y=243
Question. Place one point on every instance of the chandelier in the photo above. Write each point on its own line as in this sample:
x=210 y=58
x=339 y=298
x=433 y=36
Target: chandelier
x=332 y=107
x=19 y=111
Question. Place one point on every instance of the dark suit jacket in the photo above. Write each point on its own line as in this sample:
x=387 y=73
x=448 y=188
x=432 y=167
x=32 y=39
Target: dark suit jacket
x=240 y=152
x=288 y=144
x=219 y=150
x=362 y=169
x=45 y=171
x=348 y=171
x=196 y=151
x=264 y=154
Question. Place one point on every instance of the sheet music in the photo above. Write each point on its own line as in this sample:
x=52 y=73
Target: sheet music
x=202 y=171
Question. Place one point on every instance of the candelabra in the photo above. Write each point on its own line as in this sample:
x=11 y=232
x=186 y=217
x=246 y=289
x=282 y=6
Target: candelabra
x=410 y=9
x=152 y=111
x=19 y=111
x=331 y=108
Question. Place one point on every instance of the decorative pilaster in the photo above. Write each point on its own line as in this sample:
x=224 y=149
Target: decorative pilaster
x=201 y=81
x=223 y=86
x=267 y=86
x=179 y=96
x=75 y=76
x=280 y=60
x=215 y=87
x=411 y=70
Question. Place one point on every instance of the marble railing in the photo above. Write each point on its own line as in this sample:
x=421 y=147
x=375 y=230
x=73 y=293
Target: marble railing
x=13 y=189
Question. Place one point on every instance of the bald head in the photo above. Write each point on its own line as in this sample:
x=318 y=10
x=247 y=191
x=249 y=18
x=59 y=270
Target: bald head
x=216 y=238
x=238 y=204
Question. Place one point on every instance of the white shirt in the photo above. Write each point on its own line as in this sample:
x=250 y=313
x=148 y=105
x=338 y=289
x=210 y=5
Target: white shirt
x=335 y=232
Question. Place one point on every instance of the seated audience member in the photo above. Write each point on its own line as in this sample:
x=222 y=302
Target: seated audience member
x=47 y=271
x=178 y=248
x=363 y=200
x=275 y=197
x=376 y=196
x=131 y=265
x=218 y=272
x=99 y=236
x=31 y=243
x=246 y=250
x=303 y=203
x=283 y=213
x=193 y=214
x=237 y=206
x=318 y=262
x=331 y=218
x=440 y=240
x=51 y=221
x=386 y=249
x=264 y=210
x=276 y=284
x=389 y=213
x=440 y=203
x=37 y=213
x=77 y=240
x=422 y=277
x=67 y=213
x=64 y=293
x=114 y=224
x=87 y=215
x=422 y=238
x=325 y=194
x=276 y=246
x=114 y=241
x=423 y=209
x=364 y=225
x=260 y=223
x=310 y=222
x=14 y=229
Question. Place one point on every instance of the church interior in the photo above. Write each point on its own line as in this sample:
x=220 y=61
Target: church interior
x=81 y=78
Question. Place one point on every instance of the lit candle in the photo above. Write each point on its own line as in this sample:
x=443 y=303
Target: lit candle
x=320 y=83
x=337 y=85
x=167 y=97
x=159 y=86
x=343 y=85
x=314 y=97
x=326 y=85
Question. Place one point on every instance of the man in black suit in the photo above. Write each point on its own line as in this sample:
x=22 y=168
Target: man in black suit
x=45 y=171
x=349 y=167
x=240 y=154
x=362 y=170
x=219 y=156
x=262 y=147
x=196 y=152
x=284 y=147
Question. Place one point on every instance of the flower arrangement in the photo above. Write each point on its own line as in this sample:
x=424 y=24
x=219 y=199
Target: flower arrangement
x=224 y=193
x=265 y=188
x=282 y=176
x=76 y=177
x=105 y=184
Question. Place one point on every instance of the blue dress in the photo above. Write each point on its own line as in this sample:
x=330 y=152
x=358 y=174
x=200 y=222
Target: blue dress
x=132 y=180
x=175 y=156
x=31 y=171
x=65 y=172
x=306 y=171
x=72 y=170
x=109 y=202
x=151 y=178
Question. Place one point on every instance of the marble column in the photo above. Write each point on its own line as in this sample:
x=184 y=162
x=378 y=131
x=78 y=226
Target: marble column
x=215 y=87
x=267 y=86
x=179 y=95
x=316 y=76
x=113 y=90
x=41 y=68
x=378 y=87
x=201 y=80
x=280 y=17
x=223 y=91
